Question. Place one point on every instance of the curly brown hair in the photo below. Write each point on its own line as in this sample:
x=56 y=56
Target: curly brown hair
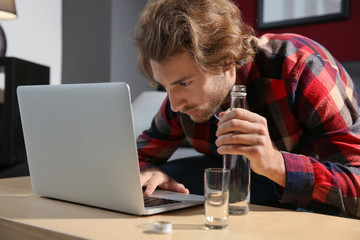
x=212 y=31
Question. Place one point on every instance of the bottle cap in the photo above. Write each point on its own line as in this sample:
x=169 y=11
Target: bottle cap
x=238 y=91
x=162 y=227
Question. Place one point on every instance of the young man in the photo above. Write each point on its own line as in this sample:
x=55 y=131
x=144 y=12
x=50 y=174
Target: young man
x=301 y=131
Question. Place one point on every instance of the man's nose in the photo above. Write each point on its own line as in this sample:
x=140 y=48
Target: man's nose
x=177 y=101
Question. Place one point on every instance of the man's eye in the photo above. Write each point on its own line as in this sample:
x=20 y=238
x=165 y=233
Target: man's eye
x=185 y=84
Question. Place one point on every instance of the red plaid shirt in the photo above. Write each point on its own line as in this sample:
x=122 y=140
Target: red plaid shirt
x=312 y=111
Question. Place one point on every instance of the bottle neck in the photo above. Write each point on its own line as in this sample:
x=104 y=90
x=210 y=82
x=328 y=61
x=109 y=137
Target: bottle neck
x=238 y=96
x=238 y=102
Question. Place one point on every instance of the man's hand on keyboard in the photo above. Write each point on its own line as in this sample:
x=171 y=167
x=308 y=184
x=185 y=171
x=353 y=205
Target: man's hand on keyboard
x=154 y=177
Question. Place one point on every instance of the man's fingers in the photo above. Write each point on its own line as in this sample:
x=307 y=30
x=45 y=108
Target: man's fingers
x=151 y=184
x=150 y=179
x=182 y=189
x=223 y=113
x=172 y=185
x=238 y=113
x=144 y=177
x=154 y=177
x=150 y=188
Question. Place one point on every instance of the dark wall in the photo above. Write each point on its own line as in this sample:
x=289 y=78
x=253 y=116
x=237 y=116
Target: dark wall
x=86 y=41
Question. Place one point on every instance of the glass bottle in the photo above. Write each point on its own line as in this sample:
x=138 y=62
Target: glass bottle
x=239 y=166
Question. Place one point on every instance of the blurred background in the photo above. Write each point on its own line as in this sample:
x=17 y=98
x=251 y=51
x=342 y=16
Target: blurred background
x=86 y=41
x=90 y=40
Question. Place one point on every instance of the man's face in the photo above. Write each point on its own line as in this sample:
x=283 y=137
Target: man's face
x=190 y=91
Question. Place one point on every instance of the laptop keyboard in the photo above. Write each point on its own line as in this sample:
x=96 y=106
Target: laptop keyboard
x=151 y=201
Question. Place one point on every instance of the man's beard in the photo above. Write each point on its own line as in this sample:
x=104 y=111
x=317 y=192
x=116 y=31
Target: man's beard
x=206 y=111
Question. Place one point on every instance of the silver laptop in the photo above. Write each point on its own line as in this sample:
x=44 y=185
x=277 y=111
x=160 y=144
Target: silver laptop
x=81 y=147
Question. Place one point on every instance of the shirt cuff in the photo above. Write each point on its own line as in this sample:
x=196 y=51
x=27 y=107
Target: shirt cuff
x=299 y=180
x=145 y=165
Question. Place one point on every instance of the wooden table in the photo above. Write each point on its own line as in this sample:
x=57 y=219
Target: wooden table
x=24 y=215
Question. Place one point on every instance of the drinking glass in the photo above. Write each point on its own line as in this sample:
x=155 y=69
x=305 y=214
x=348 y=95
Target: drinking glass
x=216 y=190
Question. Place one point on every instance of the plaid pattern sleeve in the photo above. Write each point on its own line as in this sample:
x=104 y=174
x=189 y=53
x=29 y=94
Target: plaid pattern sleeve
x=158 y=143
x=311 y=106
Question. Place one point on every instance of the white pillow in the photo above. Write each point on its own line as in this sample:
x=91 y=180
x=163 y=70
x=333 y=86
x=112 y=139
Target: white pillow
x=144 y=107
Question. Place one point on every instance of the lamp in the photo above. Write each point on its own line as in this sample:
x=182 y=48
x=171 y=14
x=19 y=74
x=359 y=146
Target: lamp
x=7 y=11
